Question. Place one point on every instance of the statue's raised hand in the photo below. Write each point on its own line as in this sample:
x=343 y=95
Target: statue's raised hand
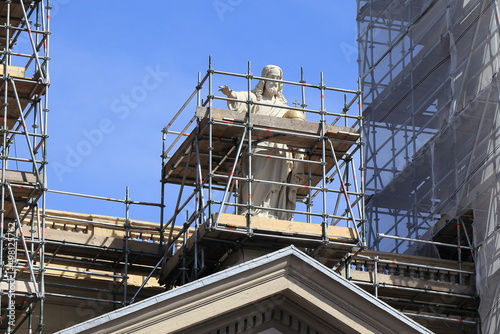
x=227 y=91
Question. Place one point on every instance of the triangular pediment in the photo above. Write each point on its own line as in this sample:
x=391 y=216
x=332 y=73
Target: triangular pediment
x=283 y=292
x=277 y=314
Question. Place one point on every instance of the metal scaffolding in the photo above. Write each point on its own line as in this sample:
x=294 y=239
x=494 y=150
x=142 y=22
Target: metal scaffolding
x=439 y=294
x=44 y=251
x=209 y=152
x=404 y=61
x=24 y=60
x=430 y=85
x=101 y=259
x=206 y=156
x=96 y=263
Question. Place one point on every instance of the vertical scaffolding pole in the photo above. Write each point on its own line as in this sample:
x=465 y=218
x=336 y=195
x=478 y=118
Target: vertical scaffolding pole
x=199 y=203
x=162 y=193
x=309 y=168
x=210 y=139
x=249 y=175
x=198 y=89
x=362 y=168
x=324 y=222
x=375 y=276
x=126 y=246
x=459 y=250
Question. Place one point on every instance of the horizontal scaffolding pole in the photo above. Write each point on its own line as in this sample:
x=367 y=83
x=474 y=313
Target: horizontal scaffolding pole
x=99 y=248
x=293 y=185
x=381 y=235
x=395 y=287
x=109 y=199
x=416 y=265
x=92 y=273
x=52 y=294
x=305 y=213
x=312 y=111
x=31 y=134
x=98 y=223
x=433 y=317
x=279 y=131
x=31 y=161
x=302 y=84
x=23 y=29
x=76 y=287
x=318 y=241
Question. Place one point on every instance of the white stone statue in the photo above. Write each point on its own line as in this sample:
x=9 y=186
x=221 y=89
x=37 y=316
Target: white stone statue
x=277 y=170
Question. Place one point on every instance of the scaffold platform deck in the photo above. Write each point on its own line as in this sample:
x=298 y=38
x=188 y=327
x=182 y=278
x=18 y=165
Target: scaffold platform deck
x=91 y=248
x=24 y=189
x=16 y=16
x=20 y=92
x=231 y=233
x=228 y=127
x=85 y=261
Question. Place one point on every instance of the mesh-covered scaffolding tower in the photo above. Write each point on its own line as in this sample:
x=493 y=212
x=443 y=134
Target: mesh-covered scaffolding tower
x=430 y=84
x=24 y=67
x=207 y=158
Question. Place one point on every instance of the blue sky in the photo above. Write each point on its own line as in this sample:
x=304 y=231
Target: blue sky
x=121 y=69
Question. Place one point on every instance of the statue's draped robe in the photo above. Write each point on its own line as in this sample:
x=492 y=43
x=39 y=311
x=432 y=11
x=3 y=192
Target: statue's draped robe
x=268 y=195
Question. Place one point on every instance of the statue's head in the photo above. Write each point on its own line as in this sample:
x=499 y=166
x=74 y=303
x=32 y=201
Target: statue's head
x=272 y=71
x=276 y=88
